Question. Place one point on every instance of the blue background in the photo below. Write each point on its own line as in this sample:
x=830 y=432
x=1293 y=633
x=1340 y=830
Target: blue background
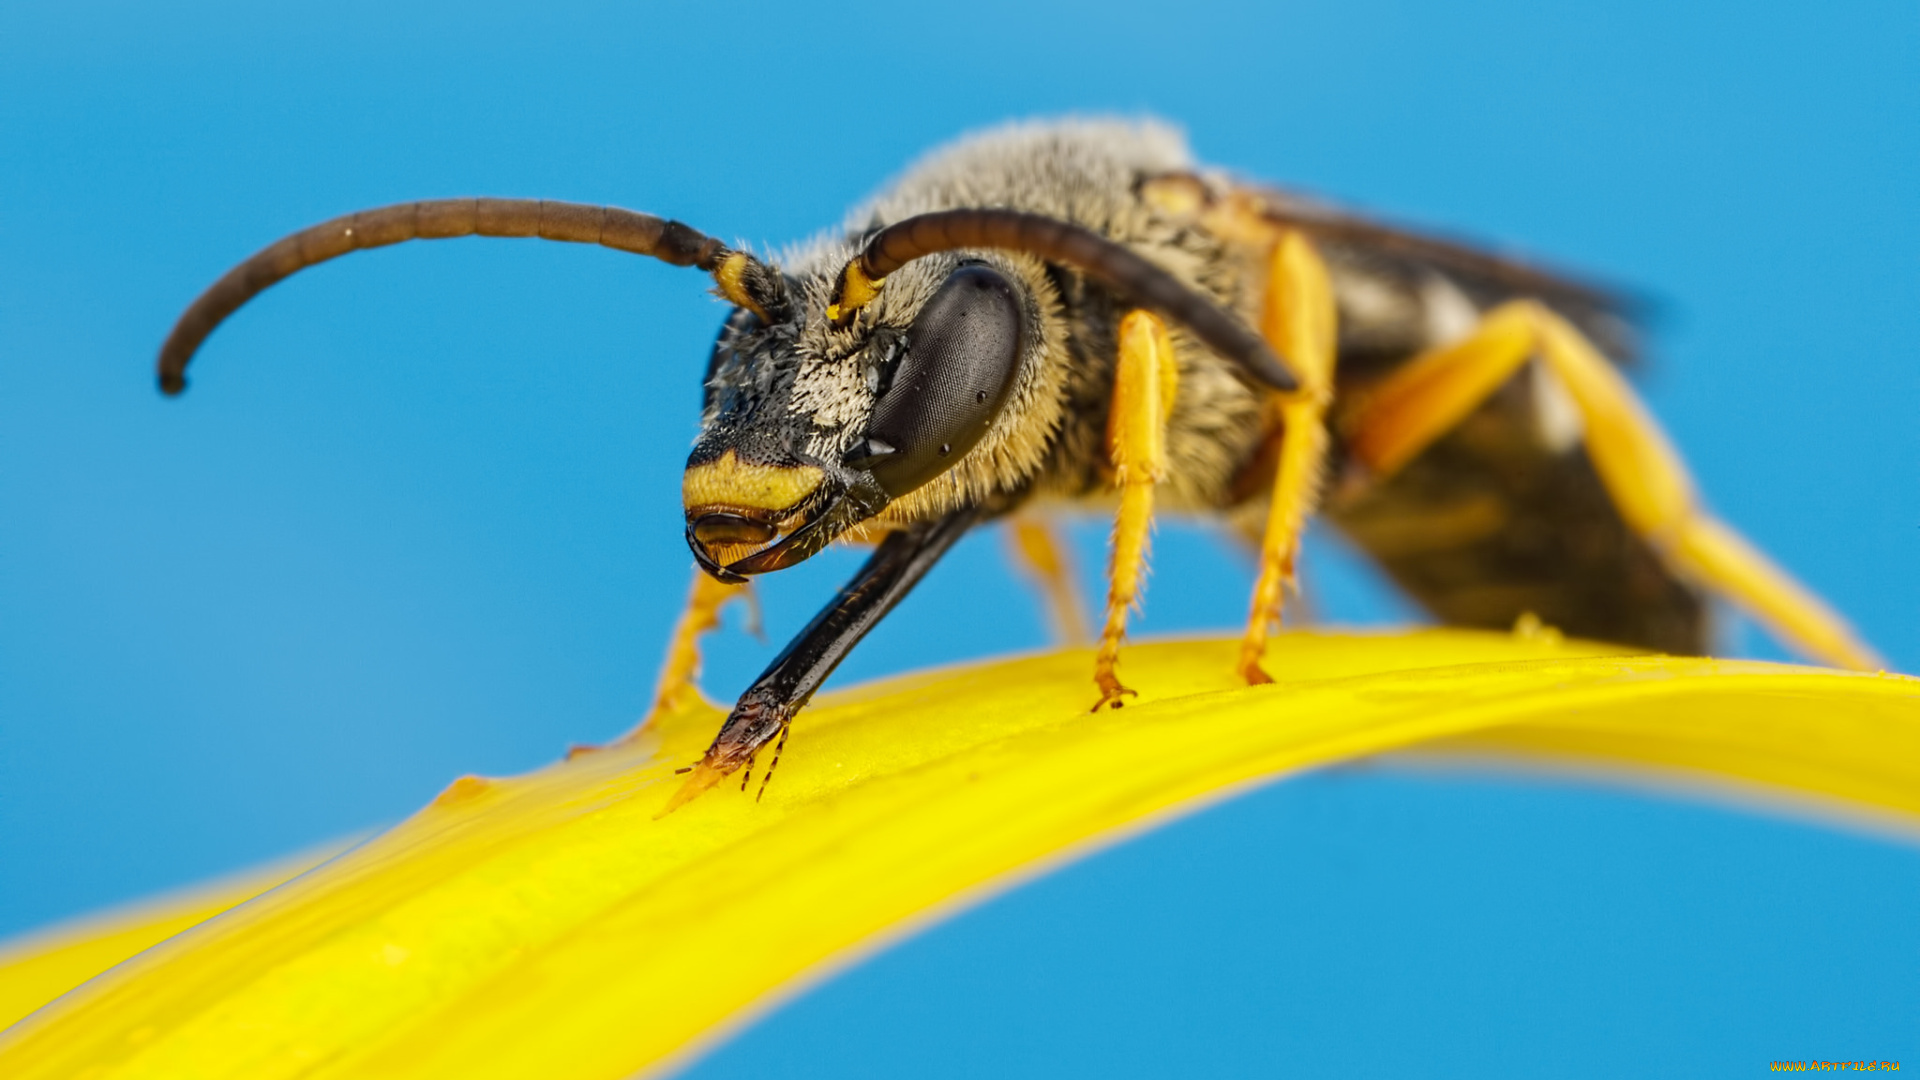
x=418 y=516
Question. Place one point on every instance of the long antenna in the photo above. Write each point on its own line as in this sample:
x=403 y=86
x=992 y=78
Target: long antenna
x=742 y=279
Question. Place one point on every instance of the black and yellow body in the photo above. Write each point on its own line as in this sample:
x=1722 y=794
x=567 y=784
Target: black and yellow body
x=1076 y=315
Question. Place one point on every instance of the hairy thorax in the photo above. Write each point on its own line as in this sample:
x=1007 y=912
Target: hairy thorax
x=1124 y=181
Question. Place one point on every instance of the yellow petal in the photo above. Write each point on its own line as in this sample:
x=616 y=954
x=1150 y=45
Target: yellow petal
x=41 y=966
x=548 y=925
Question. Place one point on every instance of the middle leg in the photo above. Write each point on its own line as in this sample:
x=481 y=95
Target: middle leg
x=1299 y=321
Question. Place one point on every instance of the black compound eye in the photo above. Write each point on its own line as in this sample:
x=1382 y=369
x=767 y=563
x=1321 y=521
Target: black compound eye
x=962 y=353
x=740 y=323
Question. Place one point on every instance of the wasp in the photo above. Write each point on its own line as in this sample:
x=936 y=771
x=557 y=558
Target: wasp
x=1077 y=314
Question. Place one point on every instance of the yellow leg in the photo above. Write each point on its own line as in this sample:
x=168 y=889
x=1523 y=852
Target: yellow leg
x=1144 y=384
x=679 y=684
x=1437 y=389
x=1642 y=472
x=1298 y=319
x=1039 y=551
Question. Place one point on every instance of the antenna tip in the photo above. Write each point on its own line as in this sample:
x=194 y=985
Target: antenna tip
x=172 y=382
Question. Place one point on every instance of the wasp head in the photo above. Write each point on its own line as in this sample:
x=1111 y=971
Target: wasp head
x=812 y=429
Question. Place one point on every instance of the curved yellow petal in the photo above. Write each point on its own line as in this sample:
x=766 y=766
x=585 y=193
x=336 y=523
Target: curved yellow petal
x=548 y=925
x=41 y=966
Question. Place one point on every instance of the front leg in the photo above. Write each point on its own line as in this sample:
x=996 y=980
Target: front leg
x=768 y=706
x=679 y=684
x=1048 y=563
x=1144 y=383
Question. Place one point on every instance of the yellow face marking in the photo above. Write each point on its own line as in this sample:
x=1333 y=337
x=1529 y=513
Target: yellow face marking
x=733 y=483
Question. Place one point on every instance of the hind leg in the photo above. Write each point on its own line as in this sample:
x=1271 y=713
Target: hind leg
x=1643 y=474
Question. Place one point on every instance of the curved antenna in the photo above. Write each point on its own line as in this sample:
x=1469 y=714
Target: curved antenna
x=741 y=278
x=1113 y=265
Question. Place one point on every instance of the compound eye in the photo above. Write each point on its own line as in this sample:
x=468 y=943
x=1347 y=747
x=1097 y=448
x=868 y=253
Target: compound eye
x=961 y=355
x=738 y=325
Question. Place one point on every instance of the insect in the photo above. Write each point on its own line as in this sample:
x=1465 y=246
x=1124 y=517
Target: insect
x=1074 y=313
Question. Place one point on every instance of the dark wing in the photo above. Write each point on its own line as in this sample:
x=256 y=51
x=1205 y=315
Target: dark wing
x=1400 y=268
x=1505 y=515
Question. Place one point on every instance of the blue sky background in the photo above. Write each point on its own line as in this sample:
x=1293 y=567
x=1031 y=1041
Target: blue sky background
x=419 y=514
